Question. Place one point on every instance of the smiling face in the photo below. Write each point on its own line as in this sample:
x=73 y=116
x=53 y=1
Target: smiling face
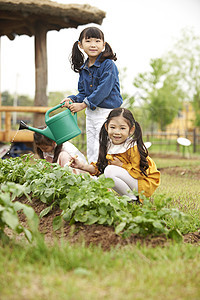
x=92 y=47
x=119 y=130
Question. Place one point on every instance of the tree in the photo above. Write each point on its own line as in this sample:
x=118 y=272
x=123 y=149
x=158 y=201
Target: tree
x=184 y=61
x=7 y=99
x=159 y=92
x=22 y=100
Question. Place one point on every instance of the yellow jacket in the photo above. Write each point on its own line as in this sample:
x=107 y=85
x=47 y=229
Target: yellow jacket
x=131 y=162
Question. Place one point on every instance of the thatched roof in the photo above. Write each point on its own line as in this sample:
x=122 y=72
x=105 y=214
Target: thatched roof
x=19 y=17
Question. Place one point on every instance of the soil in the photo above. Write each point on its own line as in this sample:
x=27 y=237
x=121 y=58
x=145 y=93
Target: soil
x=101 y=235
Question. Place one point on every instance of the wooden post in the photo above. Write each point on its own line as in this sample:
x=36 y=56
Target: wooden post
x=7 y=126
x=40 y=72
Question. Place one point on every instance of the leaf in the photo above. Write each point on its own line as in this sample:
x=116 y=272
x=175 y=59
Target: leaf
x=67 y=215
x=157 y=224
x=92 y=219
x=176 y=235
x=28 y=211
x=10 y=219
x=120 y=227
x=49 y=192
x=139 y=219
x=102 y=220
x=57 y=223
x=80 y=218
x=135 y=230
x=45 y=211
x=102 y=210
x=28 y=235
x=5 y=198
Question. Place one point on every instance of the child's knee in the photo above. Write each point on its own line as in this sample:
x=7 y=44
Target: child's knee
x=108 y=172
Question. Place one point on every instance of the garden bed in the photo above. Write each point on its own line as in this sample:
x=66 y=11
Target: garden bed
x=95 y=234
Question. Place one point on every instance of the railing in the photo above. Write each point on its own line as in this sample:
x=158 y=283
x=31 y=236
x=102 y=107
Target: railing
x=166 y=141
x=7 y=135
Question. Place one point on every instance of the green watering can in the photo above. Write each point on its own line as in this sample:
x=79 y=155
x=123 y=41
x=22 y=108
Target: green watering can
x=61 y=127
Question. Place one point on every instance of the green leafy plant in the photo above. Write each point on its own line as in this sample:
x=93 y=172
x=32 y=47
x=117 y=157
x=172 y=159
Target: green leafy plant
x=8 y=211
x=84 y=199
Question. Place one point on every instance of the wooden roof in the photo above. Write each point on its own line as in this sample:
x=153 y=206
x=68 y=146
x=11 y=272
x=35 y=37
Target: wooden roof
x=19 y=17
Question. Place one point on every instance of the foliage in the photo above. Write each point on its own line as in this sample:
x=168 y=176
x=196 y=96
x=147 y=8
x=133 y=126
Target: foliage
x=173 y=79
x=84 y=199
x=159 y=91
x=184 y=62
x=22 y=100
x=8 y=211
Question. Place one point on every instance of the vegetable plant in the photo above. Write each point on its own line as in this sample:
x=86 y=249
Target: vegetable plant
x=85 y=199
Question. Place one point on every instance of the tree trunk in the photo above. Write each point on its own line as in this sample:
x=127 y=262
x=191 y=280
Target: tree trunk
x=41 y=98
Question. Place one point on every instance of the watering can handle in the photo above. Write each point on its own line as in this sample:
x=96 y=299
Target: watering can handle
x=54 y=108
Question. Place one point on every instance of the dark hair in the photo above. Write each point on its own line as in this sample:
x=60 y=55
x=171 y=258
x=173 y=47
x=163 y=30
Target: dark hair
x=40 y=140
x=136 y=137
x=77 y=57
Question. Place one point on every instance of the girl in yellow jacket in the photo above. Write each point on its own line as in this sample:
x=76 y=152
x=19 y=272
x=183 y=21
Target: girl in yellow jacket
x=123 y=156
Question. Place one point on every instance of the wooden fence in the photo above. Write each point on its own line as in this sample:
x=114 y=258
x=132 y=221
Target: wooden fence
x=161 y=141
x=8 y=134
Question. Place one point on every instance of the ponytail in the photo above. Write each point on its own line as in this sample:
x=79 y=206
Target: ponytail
x=103 y=148
x=77 y=58
x=141 y=148
x=108 y=53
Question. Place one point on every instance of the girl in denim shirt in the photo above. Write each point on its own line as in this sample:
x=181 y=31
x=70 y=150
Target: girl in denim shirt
x=98 y=85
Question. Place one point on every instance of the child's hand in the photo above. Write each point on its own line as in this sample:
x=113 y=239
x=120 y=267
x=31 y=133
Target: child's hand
x=75 y=107
x=75 y=163
x=116 y=162
x=66 y=102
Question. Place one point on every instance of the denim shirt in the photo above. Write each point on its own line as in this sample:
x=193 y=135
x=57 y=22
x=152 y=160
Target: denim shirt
x=98 y=85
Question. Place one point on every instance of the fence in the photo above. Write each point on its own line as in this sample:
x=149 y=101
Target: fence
x=8 y=134
x=162 y=142
x=167 y=141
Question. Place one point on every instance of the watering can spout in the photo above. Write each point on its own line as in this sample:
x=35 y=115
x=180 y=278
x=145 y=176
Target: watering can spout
x=46 y=132
x=23 y=125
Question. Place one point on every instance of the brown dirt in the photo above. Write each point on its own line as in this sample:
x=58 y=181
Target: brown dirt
x=182 y=172
x=95 y=234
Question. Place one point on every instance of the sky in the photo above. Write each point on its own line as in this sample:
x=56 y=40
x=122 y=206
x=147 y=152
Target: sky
x=137 y=30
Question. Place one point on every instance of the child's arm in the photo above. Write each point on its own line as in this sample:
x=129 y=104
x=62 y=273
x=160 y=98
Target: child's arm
x=115 y=161
x=77 y=164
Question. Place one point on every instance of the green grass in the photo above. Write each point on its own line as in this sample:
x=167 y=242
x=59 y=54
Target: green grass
x=41 y=272
x=182 y=188
x=38 y=271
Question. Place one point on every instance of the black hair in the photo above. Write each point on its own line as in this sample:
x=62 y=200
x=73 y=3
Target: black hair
x=77 y=57
x=40 y=140
x=104 y=140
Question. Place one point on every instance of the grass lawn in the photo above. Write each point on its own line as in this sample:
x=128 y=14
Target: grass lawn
x=38 y=271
